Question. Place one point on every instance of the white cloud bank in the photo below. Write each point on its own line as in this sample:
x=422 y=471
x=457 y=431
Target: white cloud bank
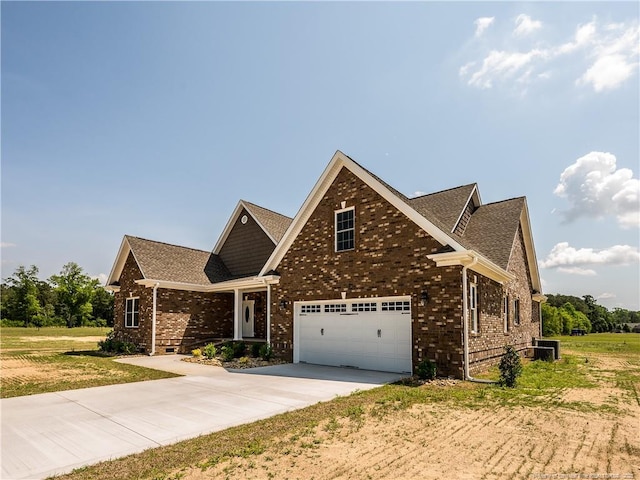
x=595 y=187
x=571 y=260
x=7 y=245
x=606 y=53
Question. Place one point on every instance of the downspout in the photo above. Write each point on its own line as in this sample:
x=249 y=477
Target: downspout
x=153 y=319
x=465 y=323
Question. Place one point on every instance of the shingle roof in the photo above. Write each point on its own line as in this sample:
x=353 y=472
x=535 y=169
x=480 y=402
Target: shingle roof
x=446 y=205
x=172 y=263
x=275 y=223
x=492 y=229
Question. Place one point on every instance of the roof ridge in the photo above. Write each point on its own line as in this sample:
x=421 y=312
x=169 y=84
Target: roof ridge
x=443 y=191
x=169 y=244
x=523 y=197
x=264 y=208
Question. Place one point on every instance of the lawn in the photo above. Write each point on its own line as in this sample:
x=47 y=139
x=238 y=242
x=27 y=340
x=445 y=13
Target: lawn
x=53 y=359
x=578 y=416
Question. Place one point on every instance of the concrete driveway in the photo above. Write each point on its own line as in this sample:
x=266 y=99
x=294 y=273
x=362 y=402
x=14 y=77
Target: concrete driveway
x=54 y=433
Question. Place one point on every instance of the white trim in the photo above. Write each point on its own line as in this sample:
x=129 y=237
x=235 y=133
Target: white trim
x=538 y=297
x=473 y=306
x=505 y=313
x=153 y=320
x=233 y=219
x=332 y=170
x=133 y=311
x=247 y=284
x=530 y=249
x=480 y=264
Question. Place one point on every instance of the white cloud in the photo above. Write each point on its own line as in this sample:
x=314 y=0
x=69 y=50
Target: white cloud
x=595 y=187
x=7 y=245
x=568 y=259
x=606 y=295
x=101 y=277
x=418 y=194
x=482 y=24
x=525 y=25
x=606 y=55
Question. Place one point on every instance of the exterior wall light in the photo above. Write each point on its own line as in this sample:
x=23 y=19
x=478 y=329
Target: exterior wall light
x=424 y=298
x=283 y=304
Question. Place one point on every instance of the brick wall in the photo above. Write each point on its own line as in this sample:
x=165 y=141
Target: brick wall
x=389 y=259
x=183 y=319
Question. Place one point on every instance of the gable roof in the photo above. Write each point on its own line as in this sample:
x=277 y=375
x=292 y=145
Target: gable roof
x=447 y=206
x=272 y=223
x=437 y=214
x=170 y=263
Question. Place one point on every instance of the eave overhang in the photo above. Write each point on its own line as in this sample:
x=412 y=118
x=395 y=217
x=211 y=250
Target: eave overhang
x=477 y=262
x=245 y=284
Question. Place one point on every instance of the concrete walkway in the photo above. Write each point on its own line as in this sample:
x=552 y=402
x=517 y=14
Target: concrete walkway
x=54 y=433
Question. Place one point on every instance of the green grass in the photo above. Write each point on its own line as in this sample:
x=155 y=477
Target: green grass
x=619 y=343
x=53 y=359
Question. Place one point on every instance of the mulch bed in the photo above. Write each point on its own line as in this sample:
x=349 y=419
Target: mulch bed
x=236 y=363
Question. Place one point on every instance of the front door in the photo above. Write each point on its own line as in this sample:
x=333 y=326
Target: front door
x=247 y=318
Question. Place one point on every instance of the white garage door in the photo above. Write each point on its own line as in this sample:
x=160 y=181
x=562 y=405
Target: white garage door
x=372 y=333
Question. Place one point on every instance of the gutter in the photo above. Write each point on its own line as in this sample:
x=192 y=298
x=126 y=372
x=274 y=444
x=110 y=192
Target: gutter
x=153 y=319
x=465 y=323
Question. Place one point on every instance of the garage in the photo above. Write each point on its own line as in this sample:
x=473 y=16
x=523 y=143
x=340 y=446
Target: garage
x=371 y=333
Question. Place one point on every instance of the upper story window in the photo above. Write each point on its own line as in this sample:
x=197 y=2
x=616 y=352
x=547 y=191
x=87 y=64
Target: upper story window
x=131 y=312
x=345 y=229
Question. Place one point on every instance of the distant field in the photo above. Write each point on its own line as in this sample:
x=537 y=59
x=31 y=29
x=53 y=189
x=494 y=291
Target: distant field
x=575 y=418
x=53 y=359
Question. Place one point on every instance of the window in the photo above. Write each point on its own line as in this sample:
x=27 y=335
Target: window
x=310 y=309
x=396 y=306
x=473 y=307
x=345 y=230
x=505 y=312
x=364 y=307
x=335 y=308
x=131 y=312
x=516 y=312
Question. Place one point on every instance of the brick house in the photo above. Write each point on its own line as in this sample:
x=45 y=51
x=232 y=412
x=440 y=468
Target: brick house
x=363 y=276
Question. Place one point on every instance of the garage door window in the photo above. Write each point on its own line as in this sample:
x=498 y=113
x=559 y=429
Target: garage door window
x=335 y=308
x=310 y=309
x=364 y=307
x=396 y=306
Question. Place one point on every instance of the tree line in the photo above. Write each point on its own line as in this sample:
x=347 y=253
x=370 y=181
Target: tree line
x=71 y=299
x=563 y=313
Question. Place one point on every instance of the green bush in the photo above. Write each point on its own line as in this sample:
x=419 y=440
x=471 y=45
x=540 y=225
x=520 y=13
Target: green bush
x=210 y=351
x=196 y=352
x=426 y=370
x=227 y=353
x=510 y=367
x=238 y=349
x=114 y=344
x=255 y=349
x=266 y=352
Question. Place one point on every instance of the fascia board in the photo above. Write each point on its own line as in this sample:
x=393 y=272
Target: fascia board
x=118 y=264
x=538 y=297
x=338 y=161
x=230 y=285
x=530 y=248
x=227 y=229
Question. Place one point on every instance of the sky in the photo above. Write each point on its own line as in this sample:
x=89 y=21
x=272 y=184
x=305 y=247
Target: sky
x=154 y=119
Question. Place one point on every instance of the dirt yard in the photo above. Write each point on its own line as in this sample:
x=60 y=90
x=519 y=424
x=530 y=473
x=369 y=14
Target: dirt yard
x=590 y=433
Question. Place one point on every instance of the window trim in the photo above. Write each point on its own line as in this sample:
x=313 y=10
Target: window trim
x=336 y=231
x=135 y=313
x=473 y=307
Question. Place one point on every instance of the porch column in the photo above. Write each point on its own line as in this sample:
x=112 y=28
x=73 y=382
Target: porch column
x=268 y=314
x=237 y=314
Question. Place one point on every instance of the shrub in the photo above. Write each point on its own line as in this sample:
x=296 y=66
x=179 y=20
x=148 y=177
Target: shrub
x=210 y=351
x=266 y=352
x=243 y=360
x=255 y=349
x=196 y=352
x=227 y=353
x=426 y=370
x=510 y=367
x=238 y=349
x=118 y=345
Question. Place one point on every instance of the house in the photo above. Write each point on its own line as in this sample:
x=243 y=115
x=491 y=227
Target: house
x=363 y=276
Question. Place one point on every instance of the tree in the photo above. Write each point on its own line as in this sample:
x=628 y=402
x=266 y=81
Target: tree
x=598 y=315
x=102 y=304
x=22 y=304
x=74 y=292
x=551 y=321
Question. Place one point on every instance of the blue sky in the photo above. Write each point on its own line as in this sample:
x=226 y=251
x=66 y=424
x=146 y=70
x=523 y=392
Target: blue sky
x=154 y=119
